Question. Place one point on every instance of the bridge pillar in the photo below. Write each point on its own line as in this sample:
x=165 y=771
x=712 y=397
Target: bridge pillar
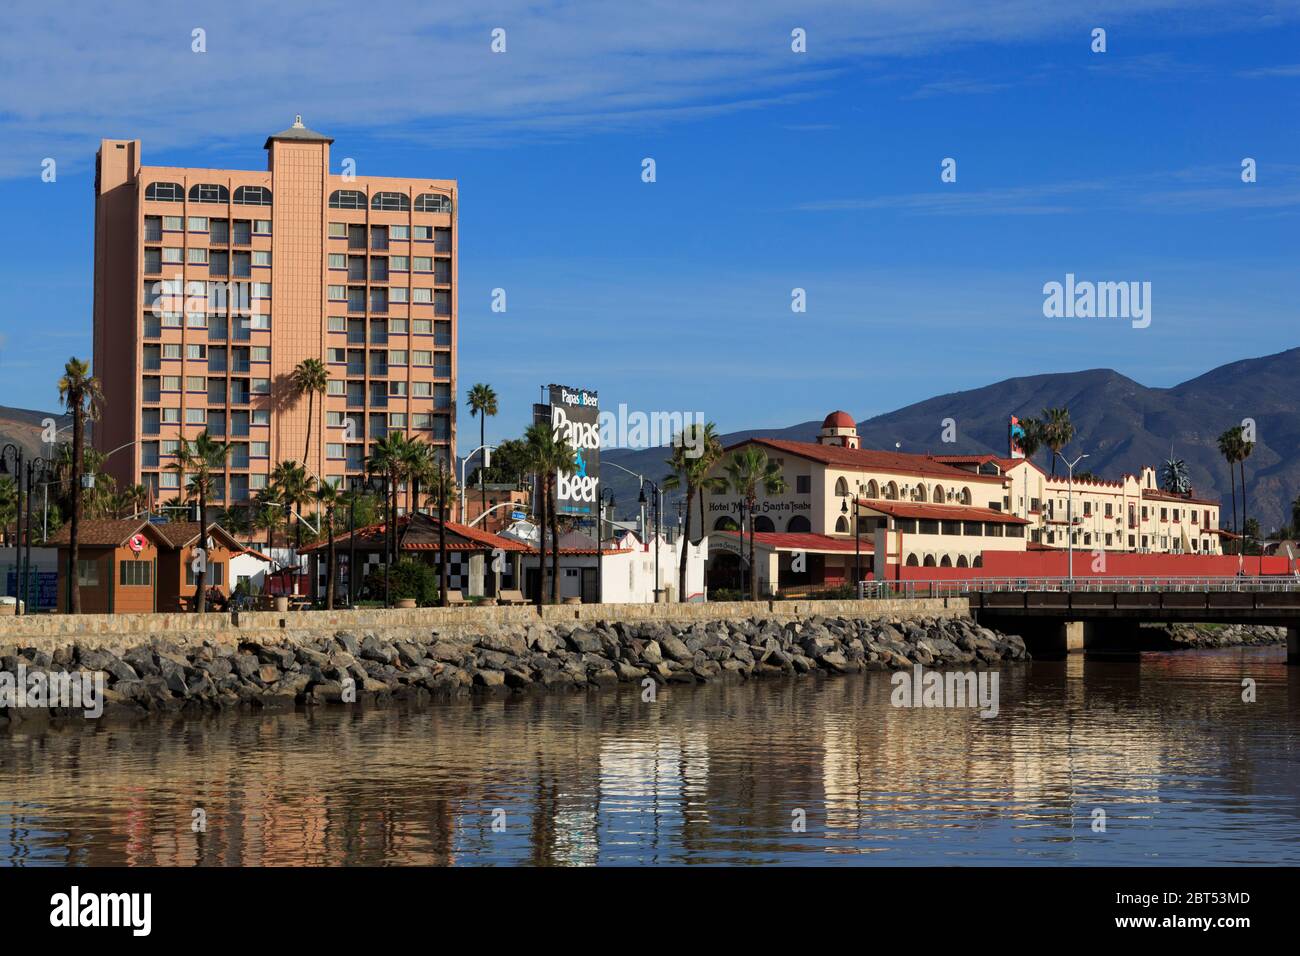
x=1045 y=637
x=1293 y=645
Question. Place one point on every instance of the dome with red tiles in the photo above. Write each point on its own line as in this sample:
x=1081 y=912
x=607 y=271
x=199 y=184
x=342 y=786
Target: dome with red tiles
x=839 y=420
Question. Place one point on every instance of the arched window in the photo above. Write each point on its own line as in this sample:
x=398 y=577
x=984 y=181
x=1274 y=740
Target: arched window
x=920 y=493
x=800 y=524
x=841 y=487
x=347 y=199
x=873 y=489
x=977 y=561
x=945 y=562
x=965 y=496
x=432 y=202
x=252 y=196
x=911 y=561
x=891 y=491
x=929 y=560
x=209 y=192
x=726 y=523
x=164 y=192
x=763 y=523
x=390 y=202
x=842 y=525
x=962 y=562
x=938 y=495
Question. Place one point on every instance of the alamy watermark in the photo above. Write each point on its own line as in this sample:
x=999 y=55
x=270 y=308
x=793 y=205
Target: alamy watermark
x=74 y=690
x=1098 y=300
x=923 y=688
x=637 y=429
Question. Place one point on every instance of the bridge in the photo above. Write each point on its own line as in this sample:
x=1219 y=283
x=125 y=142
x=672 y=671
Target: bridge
x=1067 y=615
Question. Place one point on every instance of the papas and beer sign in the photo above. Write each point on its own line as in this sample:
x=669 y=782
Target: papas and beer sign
x=574 y=416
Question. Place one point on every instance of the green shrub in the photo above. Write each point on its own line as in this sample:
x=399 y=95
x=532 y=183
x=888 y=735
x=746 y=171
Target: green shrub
x=408 y=579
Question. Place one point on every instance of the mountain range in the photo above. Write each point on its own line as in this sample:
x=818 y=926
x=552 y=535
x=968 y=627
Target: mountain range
x=1119 y=423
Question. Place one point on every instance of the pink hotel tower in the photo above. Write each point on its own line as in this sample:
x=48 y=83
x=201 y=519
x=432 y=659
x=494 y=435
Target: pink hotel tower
x=211 y=285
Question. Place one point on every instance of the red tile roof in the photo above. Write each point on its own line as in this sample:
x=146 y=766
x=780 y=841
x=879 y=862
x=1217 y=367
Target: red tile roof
x=103 y=532
x=916 y=509
x=1157 y=495
x=865 y=459
x=471 y=539
x=803 y=541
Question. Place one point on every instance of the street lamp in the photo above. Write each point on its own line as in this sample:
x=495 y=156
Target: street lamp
x=14 y=451
x=487 y=463
x=641 y=500
x=1069 y=516
x=857 y=543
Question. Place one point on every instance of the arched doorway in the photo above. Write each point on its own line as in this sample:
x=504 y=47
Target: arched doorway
x=911 y=561
x=763 y=523
x=799 y=524
x=725 y=523
x=945 y=562
x=962 y=562
x=723 y=571
x=929 y=561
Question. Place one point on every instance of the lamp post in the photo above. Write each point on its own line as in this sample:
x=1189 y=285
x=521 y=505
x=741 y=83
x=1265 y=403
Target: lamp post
x=487 y=463
x=641 y=500
x=857 y=542
x=1069 y=516
x=13 y=451
x=600 y=537
x=36 y=471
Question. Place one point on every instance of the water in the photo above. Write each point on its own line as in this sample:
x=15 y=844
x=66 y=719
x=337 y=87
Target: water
x=1185 y=771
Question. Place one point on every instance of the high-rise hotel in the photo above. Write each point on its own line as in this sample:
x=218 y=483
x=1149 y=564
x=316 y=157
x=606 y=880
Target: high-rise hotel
x=212 y=285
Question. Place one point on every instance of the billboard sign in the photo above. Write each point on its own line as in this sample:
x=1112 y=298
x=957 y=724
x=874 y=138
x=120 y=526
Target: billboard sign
x=1015 y=432
x=574 y=415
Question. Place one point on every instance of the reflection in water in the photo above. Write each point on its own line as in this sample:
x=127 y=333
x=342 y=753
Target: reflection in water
x=1185 y=772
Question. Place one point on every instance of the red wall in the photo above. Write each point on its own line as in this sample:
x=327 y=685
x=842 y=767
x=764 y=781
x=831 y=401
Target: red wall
x=1051 y=564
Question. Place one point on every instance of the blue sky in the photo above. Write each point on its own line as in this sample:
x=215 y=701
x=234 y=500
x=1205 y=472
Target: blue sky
x=775 y=171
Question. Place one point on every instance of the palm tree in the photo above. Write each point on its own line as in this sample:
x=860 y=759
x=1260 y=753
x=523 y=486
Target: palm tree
x=82 y=396
x=387 y=459
x=1174 y=478
x=746 y=471
x=1229 y=448
x=695 y=450
x=1032 y=438
x=417 y=466
x=1295 y=517
x=8 y=506
x=327 y=496
x=1056 y=430
x=441 y=483
x=550 y=456
x=295 y=488
x=482 y=403
x=267 y=513
x=310 y=377
x=200 y=459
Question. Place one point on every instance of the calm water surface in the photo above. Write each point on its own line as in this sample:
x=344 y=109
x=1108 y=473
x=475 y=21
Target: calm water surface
x=1185 y=772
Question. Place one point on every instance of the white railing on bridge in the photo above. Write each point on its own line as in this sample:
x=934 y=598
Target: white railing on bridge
x=952 y=588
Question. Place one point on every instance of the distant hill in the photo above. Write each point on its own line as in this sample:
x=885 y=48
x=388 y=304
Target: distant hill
x=22 y=427
x=1120 y=423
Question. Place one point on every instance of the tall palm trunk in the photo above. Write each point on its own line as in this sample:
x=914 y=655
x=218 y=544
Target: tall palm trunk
x=442 y=537
x=686 y=543
x=753 y=576
x=329 y=562
x=74 y=556
x=1242 y=462
x=201 y=579
x=555 y=549
x=541 y=553
x=482 y=486
x=1233 y=476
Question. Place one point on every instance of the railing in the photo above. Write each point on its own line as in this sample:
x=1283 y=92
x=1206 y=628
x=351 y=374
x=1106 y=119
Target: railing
x=953 y=588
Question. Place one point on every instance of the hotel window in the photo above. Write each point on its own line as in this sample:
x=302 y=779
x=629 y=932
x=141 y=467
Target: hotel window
x=423 y=263
x=422 y=357
x=423 y=233
x=261 y=386
x=336 y=293
x=260 y=353
x=347 y=199
x=209 y=192
x=421 y=295
x=399 y=263
x=397 y=419
x=171 y=383
x=397 y=326
x=397 y=389
x=335 y=387
x=356 y=299
x=218 y=262
x=219 y=232
x=442 y=334
x=256 y=482
x=397 y=295
x=399 y=232
x=338 y=323
x=152 y=261
x=379 y=300
x=242 y=265
x=432 y=202
x=198 y=224
x=198 y=256
x=379 y=269
x=442 y=272
x=171 y=223
x=338 y=260
x=169 y=480
x=336 y=356
x=421 y=420
x=356 y=237
x=170 y=416
x=172 y=254
x=243 y=234
x=164 y=192
x=422 y=389
x=261 y=257
x=261 y=227
x=135 y=574
x=261 y=417
x=260 y=449
x=338 y=230
x=253 y=196
x=152 y=228
x=334 y=450
x=196 y=351
x=379 y=238
x=397 y=356
x=422 y=326
x=442 y=237
x=261 y=290
x=803 y=484
x=357 y=267
x=88 y=573
x=391 y=202
x=171 y=320
x=196 y=416
x=442 y=303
